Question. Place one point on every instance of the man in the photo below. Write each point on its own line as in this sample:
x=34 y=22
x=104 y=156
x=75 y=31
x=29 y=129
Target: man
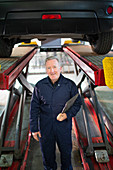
x=46 y=120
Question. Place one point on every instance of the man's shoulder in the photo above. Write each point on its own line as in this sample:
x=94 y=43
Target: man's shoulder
x=42 y=81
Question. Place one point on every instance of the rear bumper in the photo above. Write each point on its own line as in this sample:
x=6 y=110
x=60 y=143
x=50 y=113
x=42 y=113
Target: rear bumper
x=20 y=18
x=31 y=23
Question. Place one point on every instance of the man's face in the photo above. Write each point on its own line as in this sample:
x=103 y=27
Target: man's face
x=53 y=69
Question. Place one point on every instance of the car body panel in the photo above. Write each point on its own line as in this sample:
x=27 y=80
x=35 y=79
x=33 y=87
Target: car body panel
x=78 y=17
x=86 y=20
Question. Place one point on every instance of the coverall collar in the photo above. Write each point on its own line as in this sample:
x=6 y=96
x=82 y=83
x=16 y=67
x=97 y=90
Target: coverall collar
x=57 y=83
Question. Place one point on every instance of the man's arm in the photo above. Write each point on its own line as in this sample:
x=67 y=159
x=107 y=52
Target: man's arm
x=34 y=114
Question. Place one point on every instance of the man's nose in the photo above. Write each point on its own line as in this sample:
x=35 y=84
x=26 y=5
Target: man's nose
x=52 y=69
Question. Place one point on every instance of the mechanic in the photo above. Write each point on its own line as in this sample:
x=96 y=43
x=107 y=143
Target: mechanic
x=47 y=122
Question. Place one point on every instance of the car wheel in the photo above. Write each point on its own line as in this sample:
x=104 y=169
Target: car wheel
x=5 y=47
x=102 y=43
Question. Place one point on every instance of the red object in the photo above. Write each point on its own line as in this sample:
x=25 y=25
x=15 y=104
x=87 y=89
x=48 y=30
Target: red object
x=110 y=10
x=26 y=153
x=12 y=114
x=82 y=142
x=94 y=72
x=51 y=16
x=8 y=76
x=77 y=133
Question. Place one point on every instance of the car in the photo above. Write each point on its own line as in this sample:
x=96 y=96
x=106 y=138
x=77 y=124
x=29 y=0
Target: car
x=85 y=20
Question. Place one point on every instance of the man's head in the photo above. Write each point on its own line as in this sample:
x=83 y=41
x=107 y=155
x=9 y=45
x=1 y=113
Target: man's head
x=53 y=68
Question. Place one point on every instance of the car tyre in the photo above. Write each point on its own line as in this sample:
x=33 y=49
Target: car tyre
x=5 y=47
x=102 y=43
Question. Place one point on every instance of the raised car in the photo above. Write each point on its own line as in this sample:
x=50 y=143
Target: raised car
x=87 y=20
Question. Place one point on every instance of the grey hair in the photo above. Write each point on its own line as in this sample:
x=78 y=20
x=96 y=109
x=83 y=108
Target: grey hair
x=51 y=58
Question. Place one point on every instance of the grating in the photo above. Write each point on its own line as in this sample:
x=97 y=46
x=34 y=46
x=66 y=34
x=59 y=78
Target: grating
x=96 y=60
x=6 y=63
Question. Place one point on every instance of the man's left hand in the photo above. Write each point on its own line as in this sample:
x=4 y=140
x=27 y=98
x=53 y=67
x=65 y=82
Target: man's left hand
x=61 y=116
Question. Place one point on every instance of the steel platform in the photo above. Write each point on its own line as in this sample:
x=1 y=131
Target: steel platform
x=12 y=67
x=14 y=116
x=93 y=128
x=89 y=62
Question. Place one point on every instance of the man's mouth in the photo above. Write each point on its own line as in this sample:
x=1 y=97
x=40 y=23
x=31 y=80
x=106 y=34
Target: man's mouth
x=52 y=74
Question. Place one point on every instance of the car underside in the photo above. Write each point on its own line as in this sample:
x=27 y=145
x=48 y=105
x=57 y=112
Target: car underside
x=90 y=21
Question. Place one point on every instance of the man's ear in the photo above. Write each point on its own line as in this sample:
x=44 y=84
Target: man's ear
x=60 y=69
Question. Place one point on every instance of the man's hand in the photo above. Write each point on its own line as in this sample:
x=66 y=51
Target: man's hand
x=36 y=134
x=61 y=116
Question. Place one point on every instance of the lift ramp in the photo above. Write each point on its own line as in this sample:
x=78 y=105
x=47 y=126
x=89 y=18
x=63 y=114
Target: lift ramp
x=14 y=117
x=93 y=128
x=13 y=66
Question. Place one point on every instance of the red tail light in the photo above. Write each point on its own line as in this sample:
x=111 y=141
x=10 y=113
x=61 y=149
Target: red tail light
x=51 y=16
x=110 y=10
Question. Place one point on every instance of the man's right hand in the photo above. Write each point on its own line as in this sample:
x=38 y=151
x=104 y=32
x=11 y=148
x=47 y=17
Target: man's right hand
x=36 y=134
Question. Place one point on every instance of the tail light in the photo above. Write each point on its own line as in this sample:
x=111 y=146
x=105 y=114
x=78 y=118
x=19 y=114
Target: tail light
x=51 y=16
x=110 y=10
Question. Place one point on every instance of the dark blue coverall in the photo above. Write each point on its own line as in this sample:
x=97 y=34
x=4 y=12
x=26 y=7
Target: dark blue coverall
x=47 y=102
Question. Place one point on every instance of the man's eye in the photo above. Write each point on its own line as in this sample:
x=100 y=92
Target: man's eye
x=54 y=66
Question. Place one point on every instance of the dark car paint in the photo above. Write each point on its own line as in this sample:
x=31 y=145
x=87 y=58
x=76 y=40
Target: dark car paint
x=78 y=17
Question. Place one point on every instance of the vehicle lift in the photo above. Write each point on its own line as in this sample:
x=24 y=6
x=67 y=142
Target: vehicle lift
x=96 y=151
x=12 y=69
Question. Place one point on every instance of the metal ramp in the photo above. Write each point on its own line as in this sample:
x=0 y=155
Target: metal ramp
x=12 y=138
x=94 y=136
